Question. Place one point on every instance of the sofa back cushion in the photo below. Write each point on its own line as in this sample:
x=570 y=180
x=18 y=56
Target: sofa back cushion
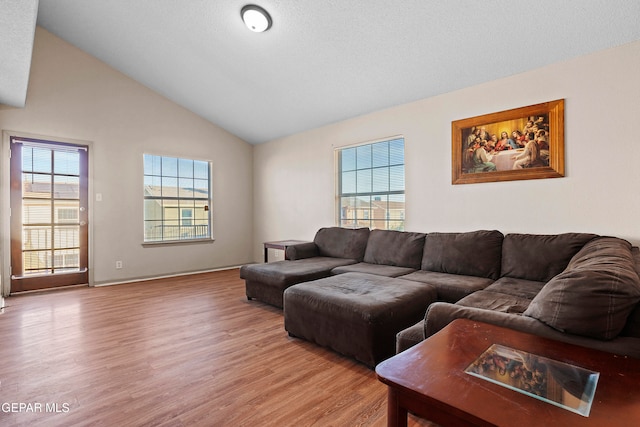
x=475 y=253
x=398 y=248
x=340 y=242
x=595 y=294
x=540 y=257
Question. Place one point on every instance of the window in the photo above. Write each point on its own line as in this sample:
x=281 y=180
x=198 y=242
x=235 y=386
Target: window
x=176 y=199
x=371 y=185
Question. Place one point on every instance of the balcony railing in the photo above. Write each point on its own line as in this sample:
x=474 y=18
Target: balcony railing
x=160 y=233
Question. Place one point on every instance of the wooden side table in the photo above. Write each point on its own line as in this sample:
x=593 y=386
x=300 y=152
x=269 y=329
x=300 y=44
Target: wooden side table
x=429 y=380
x=279 y=244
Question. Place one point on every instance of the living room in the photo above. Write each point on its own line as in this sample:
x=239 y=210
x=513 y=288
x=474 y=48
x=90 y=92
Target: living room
x=285 y=188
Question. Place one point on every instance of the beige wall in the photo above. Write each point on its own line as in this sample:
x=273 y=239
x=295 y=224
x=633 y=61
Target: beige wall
x=294 y=176
x=285 y=188
x=74 y=96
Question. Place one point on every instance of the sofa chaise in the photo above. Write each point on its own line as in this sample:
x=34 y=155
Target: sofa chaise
x=332 y=247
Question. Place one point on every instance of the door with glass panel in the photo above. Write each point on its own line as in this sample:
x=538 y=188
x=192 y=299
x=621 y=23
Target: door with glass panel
x=49 y=216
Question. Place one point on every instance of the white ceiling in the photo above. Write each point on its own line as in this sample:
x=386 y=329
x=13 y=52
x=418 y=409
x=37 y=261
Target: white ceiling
x=328 y=60
x=17 y=28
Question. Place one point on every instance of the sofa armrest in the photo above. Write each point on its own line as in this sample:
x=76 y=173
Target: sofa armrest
x=440 y=314
x=301 y=251
x=409 y=337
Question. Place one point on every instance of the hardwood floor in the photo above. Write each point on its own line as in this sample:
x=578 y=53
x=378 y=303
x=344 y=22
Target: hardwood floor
x=187 y=351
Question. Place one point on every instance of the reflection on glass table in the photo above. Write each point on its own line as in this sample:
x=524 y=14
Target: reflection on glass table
x=567 y=386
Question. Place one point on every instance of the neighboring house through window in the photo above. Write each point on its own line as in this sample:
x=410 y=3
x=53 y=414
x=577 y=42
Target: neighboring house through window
x=177 y=199
x=371 y=185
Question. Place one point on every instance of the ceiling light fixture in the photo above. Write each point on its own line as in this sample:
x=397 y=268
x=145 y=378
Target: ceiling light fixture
x=256 y=18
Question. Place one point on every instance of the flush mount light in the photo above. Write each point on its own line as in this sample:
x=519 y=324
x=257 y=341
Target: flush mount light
x=256 y=18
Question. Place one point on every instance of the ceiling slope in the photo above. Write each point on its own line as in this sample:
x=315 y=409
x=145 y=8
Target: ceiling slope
x=17 y=29
x=326 y=61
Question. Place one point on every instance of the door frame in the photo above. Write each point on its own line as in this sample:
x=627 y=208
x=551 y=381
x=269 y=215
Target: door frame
x=5 y=204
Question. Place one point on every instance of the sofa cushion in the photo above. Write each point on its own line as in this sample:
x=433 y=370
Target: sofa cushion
x=283 y=274
x=451 y=287
x=399 y=248
x=475 y=253
x=377 y=269
x=540 y=257
x=340 y=242
x=594 y=295
x=496 y=301
x=518 y=287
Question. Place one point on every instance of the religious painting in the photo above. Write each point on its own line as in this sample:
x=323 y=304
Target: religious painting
x=523 y=143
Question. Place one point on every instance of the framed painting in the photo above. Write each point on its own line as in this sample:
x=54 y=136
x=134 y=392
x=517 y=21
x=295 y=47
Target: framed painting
x=523 y=143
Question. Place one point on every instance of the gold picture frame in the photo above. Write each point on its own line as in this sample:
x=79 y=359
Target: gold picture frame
x=535 y=140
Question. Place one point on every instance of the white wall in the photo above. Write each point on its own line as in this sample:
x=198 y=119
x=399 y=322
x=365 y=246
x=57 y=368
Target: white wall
x=294 y=182
x=73 y=95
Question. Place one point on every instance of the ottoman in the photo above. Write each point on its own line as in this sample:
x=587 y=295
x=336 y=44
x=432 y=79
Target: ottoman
x=356 y=314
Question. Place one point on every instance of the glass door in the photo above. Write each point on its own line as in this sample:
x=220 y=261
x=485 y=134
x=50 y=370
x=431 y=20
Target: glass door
x=49 y=217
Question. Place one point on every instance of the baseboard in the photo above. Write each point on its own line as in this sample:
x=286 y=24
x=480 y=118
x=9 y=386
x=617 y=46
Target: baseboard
x=148 y=278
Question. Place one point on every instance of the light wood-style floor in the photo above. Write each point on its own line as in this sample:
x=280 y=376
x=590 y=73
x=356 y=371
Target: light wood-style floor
x=186 y=351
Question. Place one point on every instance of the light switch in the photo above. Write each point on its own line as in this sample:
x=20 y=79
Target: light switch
x=98 y=197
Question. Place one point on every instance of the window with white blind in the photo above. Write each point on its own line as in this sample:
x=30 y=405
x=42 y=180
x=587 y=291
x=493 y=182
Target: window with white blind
x=371 y=185
x=177 y=199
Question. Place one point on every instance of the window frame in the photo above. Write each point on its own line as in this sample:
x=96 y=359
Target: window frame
x=178 y=207
x=388 y=193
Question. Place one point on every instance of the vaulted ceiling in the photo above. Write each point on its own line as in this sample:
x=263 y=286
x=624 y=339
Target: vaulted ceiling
x=328 y=60
x=17 y=27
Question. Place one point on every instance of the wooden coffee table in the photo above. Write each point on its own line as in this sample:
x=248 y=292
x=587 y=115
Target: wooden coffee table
x=429 y=380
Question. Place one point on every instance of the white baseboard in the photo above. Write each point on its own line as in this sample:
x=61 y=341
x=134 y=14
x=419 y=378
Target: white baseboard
x=148 y=278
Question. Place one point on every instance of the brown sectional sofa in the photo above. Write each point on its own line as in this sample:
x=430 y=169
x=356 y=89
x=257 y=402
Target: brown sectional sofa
x=574 y=287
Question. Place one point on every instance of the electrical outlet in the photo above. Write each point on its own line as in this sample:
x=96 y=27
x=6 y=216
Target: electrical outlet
x=118 y=264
